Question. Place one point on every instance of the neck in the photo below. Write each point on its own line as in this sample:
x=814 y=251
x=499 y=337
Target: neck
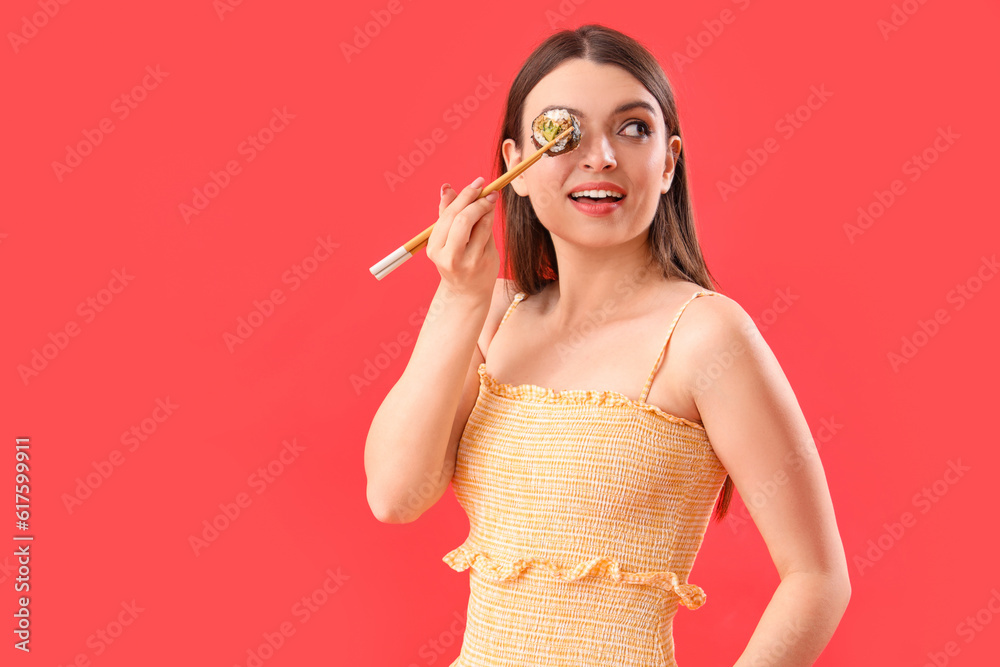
x=593 y=289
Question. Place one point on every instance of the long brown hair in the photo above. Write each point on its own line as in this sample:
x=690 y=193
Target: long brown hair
x=530 y=255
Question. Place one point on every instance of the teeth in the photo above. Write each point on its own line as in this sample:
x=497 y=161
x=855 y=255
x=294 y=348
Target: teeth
x=596 y=194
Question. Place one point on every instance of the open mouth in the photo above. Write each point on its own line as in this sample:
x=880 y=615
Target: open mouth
x=597 y=203
x=597 y=197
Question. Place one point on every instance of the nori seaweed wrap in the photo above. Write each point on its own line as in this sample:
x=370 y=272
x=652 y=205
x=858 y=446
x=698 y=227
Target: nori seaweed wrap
x=552 y=123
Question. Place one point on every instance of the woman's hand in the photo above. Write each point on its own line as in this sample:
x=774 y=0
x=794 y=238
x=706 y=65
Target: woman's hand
x=461 y=244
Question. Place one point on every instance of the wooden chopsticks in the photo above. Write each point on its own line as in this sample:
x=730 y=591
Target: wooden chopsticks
x=386 y=265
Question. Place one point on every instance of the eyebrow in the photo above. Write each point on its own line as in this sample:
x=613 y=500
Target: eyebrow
x=620 y=109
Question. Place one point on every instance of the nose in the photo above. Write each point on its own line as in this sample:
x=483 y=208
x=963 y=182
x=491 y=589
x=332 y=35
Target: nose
x=596 y=152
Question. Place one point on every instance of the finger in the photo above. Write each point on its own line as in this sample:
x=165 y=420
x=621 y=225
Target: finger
x=442 y=228
x=463 y=224
x=468 y=195
x=440 y=232
x=482 y=232
x=448 y=195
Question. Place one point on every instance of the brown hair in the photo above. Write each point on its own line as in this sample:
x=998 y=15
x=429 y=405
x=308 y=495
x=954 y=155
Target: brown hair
x=530 y=255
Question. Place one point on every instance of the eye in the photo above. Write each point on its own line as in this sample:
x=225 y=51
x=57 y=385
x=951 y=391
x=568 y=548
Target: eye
x=639 y=123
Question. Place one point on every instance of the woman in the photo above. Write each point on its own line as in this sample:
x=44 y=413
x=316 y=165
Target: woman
x=588 y=503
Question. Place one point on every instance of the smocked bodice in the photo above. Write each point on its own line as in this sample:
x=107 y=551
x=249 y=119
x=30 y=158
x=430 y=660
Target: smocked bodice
x=586 y=511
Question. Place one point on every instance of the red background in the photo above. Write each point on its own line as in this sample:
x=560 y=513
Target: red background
x=301 y=374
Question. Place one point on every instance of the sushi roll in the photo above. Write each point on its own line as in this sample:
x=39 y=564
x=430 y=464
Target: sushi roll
x=551 y=124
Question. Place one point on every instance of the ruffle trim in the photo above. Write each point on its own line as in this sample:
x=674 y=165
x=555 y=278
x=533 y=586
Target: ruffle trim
x=599 y=397
x=462 y=558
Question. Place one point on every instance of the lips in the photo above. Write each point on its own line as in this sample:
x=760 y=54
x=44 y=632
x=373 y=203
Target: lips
x=598 y=208
x=599 y=185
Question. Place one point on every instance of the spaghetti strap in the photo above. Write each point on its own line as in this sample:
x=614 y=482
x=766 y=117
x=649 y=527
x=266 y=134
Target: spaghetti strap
x=663 y=348
x=510 y=308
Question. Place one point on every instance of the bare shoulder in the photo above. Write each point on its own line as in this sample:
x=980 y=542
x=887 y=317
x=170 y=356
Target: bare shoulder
x=718 y=314
x=713 y=331
x=503 y=296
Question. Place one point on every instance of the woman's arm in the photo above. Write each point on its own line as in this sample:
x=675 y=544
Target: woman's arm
x=413 y=439
x=760 y=435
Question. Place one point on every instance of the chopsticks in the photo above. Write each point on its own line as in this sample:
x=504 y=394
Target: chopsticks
x=385 y=266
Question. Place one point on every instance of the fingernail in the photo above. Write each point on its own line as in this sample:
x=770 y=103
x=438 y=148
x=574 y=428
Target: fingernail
x=476 y=183
x=492 y=196
x=444 y=187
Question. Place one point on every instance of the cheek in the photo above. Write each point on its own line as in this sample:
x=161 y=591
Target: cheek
x=654 y=163
x=546 y=183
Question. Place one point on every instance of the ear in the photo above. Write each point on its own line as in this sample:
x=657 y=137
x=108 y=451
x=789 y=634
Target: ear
x=512 y=157
x=674 y=146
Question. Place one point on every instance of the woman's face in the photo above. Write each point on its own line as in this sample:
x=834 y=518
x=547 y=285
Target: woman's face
x=624 y=147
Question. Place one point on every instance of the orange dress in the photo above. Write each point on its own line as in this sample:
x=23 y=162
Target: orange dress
x=586 y=511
